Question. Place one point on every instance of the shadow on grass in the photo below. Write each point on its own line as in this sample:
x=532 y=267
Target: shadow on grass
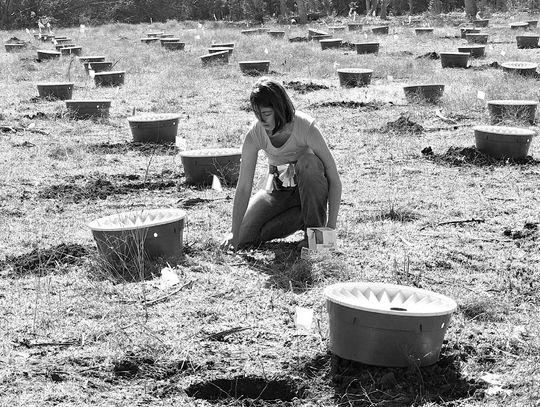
x=142 y=148
x=358 y=384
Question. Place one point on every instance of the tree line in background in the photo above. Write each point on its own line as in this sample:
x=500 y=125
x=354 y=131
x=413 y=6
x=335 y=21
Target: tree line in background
x=27 y=13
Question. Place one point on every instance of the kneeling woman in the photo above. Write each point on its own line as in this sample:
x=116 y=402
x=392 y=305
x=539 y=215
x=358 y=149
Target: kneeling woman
x=303 y=181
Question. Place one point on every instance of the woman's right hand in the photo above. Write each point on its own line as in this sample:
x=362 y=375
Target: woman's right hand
x=229 y=243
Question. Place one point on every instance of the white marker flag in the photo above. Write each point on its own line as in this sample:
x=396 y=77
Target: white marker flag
x=481 y=95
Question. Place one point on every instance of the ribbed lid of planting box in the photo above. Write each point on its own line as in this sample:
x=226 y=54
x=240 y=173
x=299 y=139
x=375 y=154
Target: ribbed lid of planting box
x=137 y=219
x=519 y=65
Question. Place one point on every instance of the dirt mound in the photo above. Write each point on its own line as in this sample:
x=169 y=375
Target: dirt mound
x=101 y=188
x=15 y=40
x=304 y=87
x=529 y=230
x=403 y=125
x=470 y=155
x=348 y=45
x=143 y=148
x=429 y=55
x=131 y=367
x=241 y=387
x=492 y=65
x=299 y=39
x=350 y=104
x=40 y=261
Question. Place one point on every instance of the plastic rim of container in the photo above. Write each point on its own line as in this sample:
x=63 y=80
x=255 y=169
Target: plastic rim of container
x=355 y=70
x=519 y=65
x=512 y=102
x=134 y=220
x=505 y=131
x=156 y=117
x=390 y=299
x=211 y=152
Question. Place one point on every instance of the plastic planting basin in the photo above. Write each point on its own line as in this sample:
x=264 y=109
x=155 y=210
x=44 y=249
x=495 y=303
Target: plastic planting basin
x=250 y=32
x=475 y=51
x=254 y=68
x=338 y=28
x=481 y=22
x=149 y=40
x=276 y=34
x=312 y=32
x=320 y=37
x=63 y=40
x=354 y=77
x=263 y=30
x=14 y=47
x=467 y=30
x=213 y=50
x=71 y=51
x=154 y=34
x=154 y=128
x=383 y=29
x=387 y=324
x=520 y=68
x=223 y=45
x=512 y=110
x=532 y=23
x=60 y=46
x=85 y=109
x=92 y=58
x=519 y=25
x=110 y=78
x=431 y=93
x=168 y=39
x=355 y=26
x=44 y=55
x=167 y=36
x=173 y=45
x=330 y=43
x=476 y=38
x=454 y=59
x=201 y=165
x=503 y=142
x=55 y=90
x=527 y=41
x=367 y=47
x=216 y=58
x=423 y=30
x=129 y=236
x=100 y=66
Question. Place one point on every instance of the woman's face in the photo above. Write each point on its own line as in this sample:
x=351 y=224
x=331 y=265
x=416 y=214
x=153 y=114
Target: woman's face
x=267 y=118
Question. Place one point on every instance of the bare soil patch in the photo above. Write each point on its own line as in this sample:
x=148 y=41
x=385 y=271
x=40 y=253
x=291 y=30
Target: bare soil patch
x=350 y=104
x=403 y=124
x=458 y=156
x=145 y=149
x=304 y=87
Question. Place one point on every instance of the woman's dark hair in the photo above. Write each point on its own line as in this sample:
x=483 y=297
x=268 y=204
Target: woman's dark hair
x=269 y=93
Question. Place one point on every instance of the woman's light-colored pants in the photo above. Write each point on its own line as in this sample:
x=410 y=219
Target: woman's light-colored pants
x=277 y=214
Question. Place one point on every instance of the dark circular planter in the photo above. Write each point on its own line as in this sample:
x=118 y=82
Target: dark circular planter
x=100 y=66
x=318 y=38
x=263 y=30
x=201 y=165
x=64 y=40
x=520 y=25
x=173 y=45
x=128 y=238
x=339 y=28
x=154 y=128
x=55 y=90
x=60 y=46
x=383 y=29
x=469 y=30
x=46 y=55
x=60 y=38
x=276 y=34
x=86 y=109
x=330 y=43
x=223 y=45
x=474 y=38
x=92 y=58
x=164 y=40
x=312 y=32
x=254 y=68
x=250 y=32
x=476 y=51
x=167 y=36
x=110 y=78
x=502 y=141
x=217 y=58
x=155 y=34
x=150 y=40
x=423 y=30
x=14 y=47
x=454 y=59
x=520 y=68
x=532 y=23
x=527 y=41
x=512 y=111
x=71 y=51
x=481 y=22
x=354 y=77
x=213 y=50
x=431 y=93
x=367 y=47
x=355 y=26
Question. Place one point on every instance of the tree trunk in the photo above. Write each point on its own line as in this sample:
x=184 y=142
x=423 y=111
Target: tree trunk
x=436 y=6
x=302 y=16
x=284 y=11
x=470 y=8
x=384 y=8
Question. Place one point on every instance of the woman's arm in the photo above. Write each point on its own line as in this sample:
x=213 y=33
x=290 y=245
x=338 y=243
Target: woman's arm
x=321 y=150
x=243 y=189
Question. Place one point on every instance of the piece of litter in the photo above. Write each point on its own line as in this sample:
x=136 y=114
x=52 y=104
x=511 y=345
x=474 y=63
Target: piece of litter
x=199 y=25
x=336 y=64
x=197 y=37
x=266 y=50
x=390 y=78
x=169 y=278
x=494 y=390
x=303 y=318
x=91 y=73
x=216 y=184
x=365 y=35
x=396 y=36
x=481 y=95
x=503 y=53
x=492 y=378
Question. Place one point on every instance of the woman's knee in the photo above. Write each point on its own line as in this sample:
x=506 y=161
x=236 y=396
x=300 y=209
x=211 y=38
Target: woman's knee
x=309 y=162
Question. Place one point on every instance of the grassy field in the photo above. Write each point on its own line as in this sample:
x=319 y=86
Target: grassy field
x=453 y=222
